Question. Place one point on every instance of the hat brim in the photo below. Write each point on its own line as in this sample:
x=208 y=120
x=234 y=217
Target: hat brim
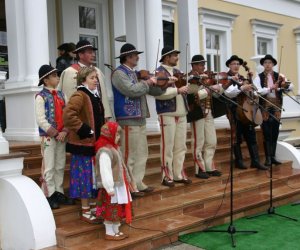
x=169 y=53
x=201 y=61
x=127 y=54
x=240 y=60
x=272 y=59
x=76 y=51
x=44 y=76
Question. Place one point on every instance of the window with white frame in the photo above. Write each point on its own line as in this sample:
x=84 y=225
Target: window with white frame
x=265 y=37
x=213 y=49
x=216 y=34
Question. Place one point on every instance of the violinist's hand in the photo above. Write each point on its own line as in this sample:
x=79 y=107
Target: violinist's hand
x=246 y=87
x=182 y=90
x=172 y=79
x=151 y=81
x=235 y=78
x=274 y=87
x=204 y=76
x=250 y=74
x=216 y=88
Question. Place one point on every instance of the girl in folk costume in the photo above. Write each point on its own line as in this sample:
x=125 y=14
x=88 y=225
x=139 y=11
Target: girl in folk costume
x=84 y=116
x=114 y=180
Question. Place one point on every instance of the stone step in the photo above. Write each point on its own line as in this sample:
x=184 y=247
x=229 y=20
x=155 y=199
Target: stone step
x=184 y=200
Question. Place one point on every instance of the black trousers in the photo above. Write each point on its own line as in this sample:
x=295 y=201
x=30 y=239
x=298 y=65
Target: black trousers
x=270 y=129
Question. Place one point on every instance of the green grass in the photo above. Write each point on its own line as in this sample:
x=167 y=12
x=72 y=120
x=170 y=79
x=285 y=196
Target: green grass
x=274 y=232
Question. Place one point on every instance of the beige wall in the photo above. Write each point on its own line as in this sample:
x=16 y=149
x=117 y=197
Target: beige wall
x=243 y=40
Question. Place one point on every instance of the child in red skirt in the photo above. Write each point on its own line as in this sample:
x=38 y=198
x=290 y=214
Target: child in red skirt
x=114 y=181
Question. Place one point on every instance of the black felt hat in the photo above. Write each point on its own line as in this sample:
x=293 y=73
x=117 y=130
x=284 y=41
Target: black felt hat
x=44 y=71
x=128 y=49
x=167 y=51
x=83 y=45
x=234 y=58
x=268 y=57
x=198 y=59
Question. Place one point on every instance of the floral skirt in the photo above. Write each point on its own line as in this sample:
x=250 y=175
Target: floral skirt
x=81 y=177
x=109 y=211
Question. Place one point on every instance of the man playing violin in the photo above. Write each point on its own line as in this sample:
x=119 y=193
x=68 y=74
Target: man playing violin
x=271 y=85
x=131 y=111
x=240 y=85
x=201 y=116
x=172 y=110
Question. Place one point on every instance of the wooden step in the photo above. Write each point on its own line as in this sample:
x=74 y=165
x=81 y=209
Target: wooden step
x=68 y=213
x=181 y=200
x=186 y=222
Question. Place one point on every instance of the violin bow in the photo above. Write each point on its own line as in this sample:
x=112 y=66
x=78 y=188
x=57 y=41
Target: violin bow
x=279 y=66
x=157 y=55
x=218 y=62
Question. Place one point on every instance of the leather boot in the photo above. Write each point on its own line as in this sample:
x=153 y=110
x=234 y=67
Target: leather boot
x=238 y=156
x=255 y=158
x=268 y=150
x=273 y=159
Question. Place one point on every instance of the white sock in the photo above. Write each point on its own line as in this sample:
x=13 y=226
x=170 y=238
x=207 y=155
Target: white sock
x=109 y=229
x=116 y=227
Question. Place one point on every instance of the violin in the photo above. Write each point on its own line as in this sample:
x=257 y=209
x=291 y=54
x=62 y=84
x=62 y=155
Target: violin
x=282 y=83
x=161 y=79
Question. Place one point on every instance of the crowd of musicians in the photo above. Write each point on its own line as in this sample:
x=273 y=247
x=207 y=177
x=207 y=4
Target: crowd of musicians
x=110 y=152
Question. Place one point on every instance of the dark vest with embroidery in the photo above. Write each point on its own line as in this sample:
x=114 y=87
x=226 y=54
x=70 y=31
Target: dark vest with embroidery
x=166 y=106
x=50 y=108
x=264 y=84
x=126 y=107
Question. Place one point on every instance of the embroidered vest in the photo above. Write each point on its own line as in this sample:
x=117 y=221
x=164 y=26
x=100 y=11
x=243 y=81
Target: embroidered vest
x=166 y=106
x=126 y=107
x=49 y=107
x=264 y=83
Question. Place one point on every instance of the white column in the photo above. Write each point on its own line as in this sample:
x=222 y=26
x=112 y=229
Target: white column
x=27 y=36
x=188 y=29
x=36 y=37
x=154 y=32
x=119 y=29
x=297 y=33
x=135 y=27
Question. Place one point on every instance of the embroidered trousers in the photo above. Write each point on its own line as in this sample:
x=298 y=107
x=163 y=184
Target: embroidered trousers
x=134 y=148
x=204 y=142
x=173 y=146
x=53 y=165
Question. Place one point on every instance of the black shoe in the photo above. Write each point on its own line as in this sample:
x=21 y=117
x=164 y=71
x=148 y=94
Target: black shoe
x=52 y=202
x=268 y=161
x=62 y=199
x=274 y=161
x=135 y=195
x=255 y=163
x=168 y=183
x=215 y=173
x=147 y=190
x=202 y=175
x=184 y=181
x=259 y=166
